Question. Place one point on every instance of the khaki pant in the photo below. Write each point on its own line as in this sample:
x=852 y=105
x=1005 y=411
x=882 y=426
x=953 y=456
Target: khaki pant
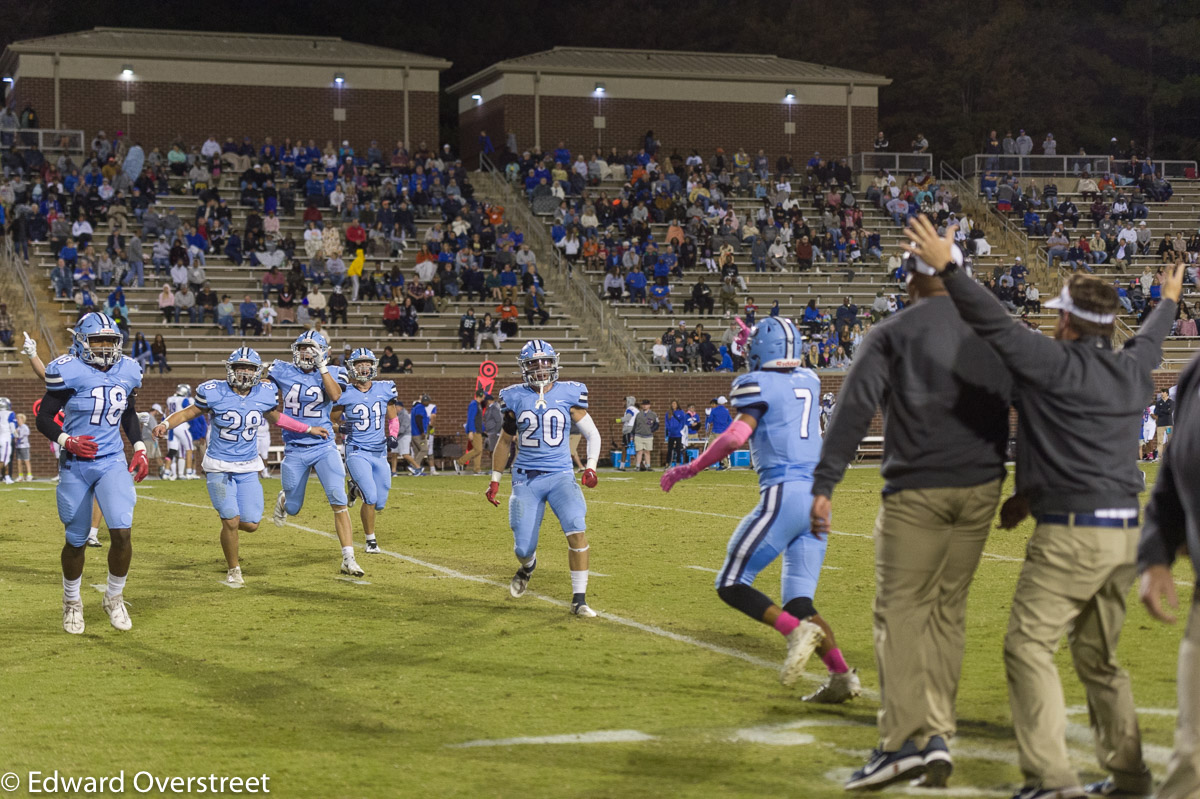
x=927 y=545
x=1074 y=582
x=1183 y=772
x=475 y=454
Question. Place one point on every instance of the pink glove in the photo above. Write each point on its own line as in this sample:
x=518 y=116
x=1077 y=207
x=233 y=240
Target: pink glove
x=676 y=473
x=744 y=335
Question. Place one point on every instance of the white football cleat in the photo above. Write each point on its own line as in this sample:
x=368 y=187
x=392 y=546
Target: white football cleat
x=233 y=577
x=581 y=609
x=280 y=514
x=373 y=547
x=519 y=582
x=840 y=688
x=8 y=480
x=93 y=540
x=350 y=566
x=117 y=614
x=802 y=642
x=73 y=617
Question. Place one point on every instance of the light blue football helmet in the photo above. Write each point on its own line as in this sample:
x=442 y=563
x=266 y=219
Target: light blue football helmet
x=309 y=348
x=539 y=364
x=243 y=368
x=98 y=340
x=775 y=343
x=362 y=366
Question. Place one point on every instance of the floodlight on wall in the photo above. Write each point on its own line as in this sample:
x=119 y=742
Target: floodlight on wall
x=8 y=79
x=478 y=98
x=789 y=95
x=599 y=88
x=126 y=71
x=339 y=78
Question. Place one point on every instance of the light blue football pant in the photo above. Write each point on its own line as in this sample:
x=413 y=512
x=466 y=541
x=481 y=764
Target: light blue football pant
x=236 y=495
x=371 y=472
x=108 y=480
x=780 y=523
x=531 y=492
x=299 y=461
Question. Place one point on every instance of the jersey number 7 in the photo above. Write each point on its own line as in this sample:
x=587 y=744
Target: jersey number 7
x=805 y=396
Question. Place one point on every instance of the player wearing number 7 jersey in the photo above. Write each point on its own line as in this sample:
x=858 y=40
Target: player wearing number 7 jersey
x=367 y=405
x=95 y=387
x=239 y=405
x=539 y=414
x=776 y=405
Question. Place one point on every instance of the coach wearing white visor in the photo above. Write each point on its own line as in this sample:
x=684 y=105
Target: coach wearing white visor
x=1080 y=404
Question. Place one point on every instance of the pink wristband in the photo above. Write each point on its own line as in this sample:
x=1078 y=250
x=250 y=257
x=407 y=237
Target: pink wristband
x=294 y=425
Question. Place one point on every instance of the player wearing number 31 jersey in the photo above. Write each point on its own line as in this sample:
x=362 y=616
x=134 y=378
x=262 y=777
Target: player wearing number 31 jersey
x=538 y=413
x=777 y=412
x=240 y=405
x=94 y=387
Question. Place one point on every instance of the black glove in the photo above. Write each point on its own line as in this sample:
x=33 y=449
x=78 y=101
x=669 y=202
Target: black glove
x=393 y=442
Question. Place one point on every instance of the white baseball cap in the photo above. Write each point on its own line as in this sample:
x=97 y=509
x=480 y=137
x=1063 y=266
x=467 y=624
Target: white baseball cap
x=722 y=401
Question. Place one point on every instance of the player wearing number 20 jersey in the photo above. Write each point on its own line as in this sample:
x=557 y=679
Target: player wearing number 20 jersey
x=538 y=414
x=777 y=411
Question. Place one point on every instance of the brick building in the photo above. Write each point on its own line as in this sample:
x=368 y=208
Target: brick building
x=592 y=97
x=157 y=85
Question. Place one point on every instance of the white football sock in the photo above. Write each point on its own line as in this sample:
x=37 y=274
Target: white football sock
x=579 y=581
x=347 y=552
x=117 y=584
x=371 y=537
x=71 y=589
x=93 y=532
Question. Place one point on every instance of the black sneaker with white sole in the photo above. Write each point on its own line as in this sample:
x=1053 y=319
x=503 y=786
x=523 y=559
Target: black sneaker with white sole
x=884 y=768
x=1108 y=787
x=938 y=764
x=372 y=547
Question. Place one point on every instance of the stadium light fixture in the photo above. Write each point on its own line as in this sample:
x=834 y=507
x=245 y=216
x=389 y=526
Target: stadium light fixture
x=8 y=79
x=478 y=98
x=599 y=88
x=789 y=95
x=126 y=71
x=339 y=78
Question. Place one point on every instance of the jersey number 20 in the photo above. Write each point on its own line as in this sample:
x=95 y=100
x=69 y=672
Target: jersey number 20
x=553 y=424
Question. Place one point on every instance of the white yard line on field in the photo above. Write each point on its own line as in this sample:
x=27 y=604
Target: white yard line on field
x=597 y=737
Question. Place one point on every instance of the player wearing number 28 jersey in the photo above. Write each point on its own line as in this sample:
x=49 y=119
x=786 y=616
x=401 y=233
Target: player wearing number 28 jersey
x=240 y=405
x=94 y=387
x=777 y=412
x=538 y=413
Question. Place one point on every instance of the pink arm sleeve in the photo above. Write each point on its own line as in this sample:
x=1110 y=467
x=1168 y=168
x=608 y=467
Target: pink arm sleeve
x=734 y=438
x=288 y=423
x=394 y=427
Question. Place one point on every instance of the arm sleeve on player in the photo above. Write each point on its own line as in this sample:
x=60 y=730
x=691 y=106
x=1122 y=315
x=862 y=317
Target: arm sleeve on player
x=732 y=439
x=52 y=403
x=288 y=423
x=592 y=436
x=510 y=423
x=129 y=421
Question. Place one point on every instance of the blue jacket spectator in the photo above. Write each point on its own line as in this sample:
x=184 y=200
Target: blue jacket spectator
x=719 y=419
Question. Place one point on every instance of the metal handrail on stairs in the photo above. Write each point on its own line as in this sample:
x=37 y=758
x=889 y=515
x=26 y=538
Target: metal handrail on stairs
x=17 y=266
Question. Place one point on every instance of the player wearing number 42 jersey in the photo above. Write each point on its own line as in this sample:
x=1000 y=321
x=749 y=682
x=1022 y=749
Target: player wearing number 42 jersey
x=95 y=386
x=239 y=405
x=308 y=388
x=539 y=413
x=366 y=406
x=777 y=413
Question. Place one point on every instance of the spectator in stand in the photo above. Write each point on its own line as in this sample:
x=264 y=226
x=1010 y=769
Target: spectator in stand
x=534 y=308
x=881 y=142
x=1049 y=145
x=316 y=303
x=409 y=318
x=614 y=286
x=158 y=354
x=702 y=299
x=389 y=364
x=185 y=300
x=166 y=304
x=1024 y=146
x=248 y=312
x=1057 y=244
x=140 y=351
x=920 y=144
x=225 y=314
x=729 y=298
x=266 y=316
x=660 y=297
x=391 y=317
x=338 y=306
x=467 y=326
x=846 y=317
x=206 y=302
x=487 y=328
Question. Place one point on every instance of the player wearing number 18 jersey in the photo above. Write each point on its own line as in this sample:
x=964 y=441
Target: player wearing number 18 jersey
x=239 y=405
x=95 y=387
x=539 y=413
x=367 y=405
x=777 y=412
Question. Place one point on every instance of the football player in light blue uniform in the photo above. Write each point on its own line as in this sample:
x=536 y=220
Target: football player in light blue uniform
x=777 y=411
x=308 y=388
x=367 y=406
x=95 y=387
x=240 y=405
x=539 y=413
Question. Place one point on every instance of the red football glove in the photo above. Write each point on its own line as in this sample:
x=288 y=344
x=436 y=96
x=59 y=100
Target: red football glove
x=139 y=467
x=81 y=446
x=589 y=478
x=493 y=490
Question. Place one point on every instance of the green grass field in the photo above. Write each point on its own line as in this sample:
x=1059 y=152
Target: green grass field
x=339 y=689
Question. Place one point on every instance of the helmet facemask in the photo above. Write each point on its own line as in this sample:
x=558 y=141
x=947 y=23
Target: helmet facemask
x=305 y=355
x=363 y=370
x=242 y=375
x=540 y=372
x=100 y=349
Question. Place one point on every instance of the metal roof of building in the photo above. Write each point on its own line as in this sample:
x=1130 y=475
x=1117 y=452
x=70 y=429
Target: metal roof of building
x=605 y=62
x=216 y=46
